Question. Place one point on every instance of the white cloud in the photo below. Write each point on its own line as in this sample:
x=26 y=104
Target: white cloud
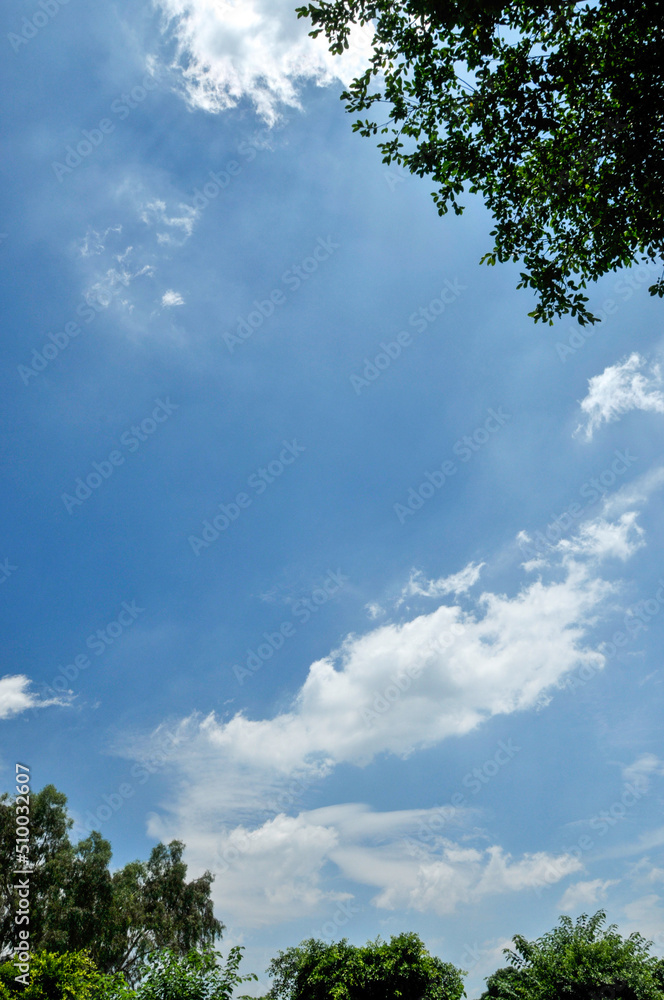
x=405 y=686
x=455 y=876
x=646 y=915
x=111 y=268
x=644 y=872
x=122 y=257
x=601 y=539
x=642 y=770
x=483 y=959
x=112 y=284
x=154 y=213
x=635 y=494
x=646 y=841
x=16 y=696
x=458 y=583
x=400 y=687
x=276 y=871
x=583 y=894
x=257 y=50
x=94 y=242
x=619 y=389
x=171 y=298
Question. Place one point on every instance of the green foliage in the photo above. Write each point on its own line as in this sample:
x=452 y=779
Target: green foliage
x=76 y=903
x=552 y=111
x=581 y=961
x=49 y=826
x=66 y=976
x=504 y=984
x=154 y=907
x=402 y=968
x=8 y=972
x=165 y=975
x=195 y=976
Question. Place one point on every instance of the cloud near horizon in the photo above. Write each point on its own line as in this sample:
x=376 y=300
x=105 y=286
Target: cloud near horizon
x=276 y=872
x=396 y=689
x=585 y=894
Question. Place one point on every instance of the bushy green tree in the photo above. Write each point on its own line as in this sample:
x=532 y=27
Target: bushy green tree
x=503 y=984
x=195 y=976
x=395 y=970
x=154 y=907
x=77 y=902
x=578 y=961
x=62 y=976
x=552 y=111
x=48 y=844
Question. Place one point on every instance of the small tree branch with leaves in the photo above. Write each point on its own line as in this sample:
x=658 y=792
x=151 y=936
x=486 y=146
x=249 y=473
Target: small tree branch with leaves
x=552 y=112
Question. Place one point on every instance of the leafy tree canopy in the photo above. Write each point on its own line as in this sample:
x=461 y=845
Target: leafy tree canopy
x=377 y=971
x=552 y=111
x=77 y=903
x=195 y=976
x=578 y=961
x=65 y=976
x=165 y=975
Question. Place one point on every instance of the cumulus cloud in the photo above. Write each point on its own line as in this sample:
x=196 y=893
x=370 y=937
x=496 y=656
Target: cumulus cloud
x=399 y=687
x=454 y=875
x=405 y=686
x=171 y=298
x=629 y=385
x=603 y=539
x=258 y=50
x=583 y=894
x=276 y=871
x=16 y=696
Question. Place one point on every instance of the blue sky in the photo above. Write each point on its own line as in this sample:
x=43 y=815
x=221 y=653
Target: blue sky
x=345 y=572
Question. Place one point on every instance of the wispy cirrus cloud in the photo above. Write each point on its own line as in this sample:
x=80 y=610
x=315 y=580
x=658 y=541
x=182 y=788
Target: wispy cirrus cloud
x=94 y=242
x=457 y=583
x=642 y=770
x=175 y=226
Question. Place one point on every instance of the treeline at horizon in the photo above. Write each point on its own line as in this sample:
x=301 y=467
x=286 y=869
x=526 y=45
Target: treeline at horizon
x=71 y=929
